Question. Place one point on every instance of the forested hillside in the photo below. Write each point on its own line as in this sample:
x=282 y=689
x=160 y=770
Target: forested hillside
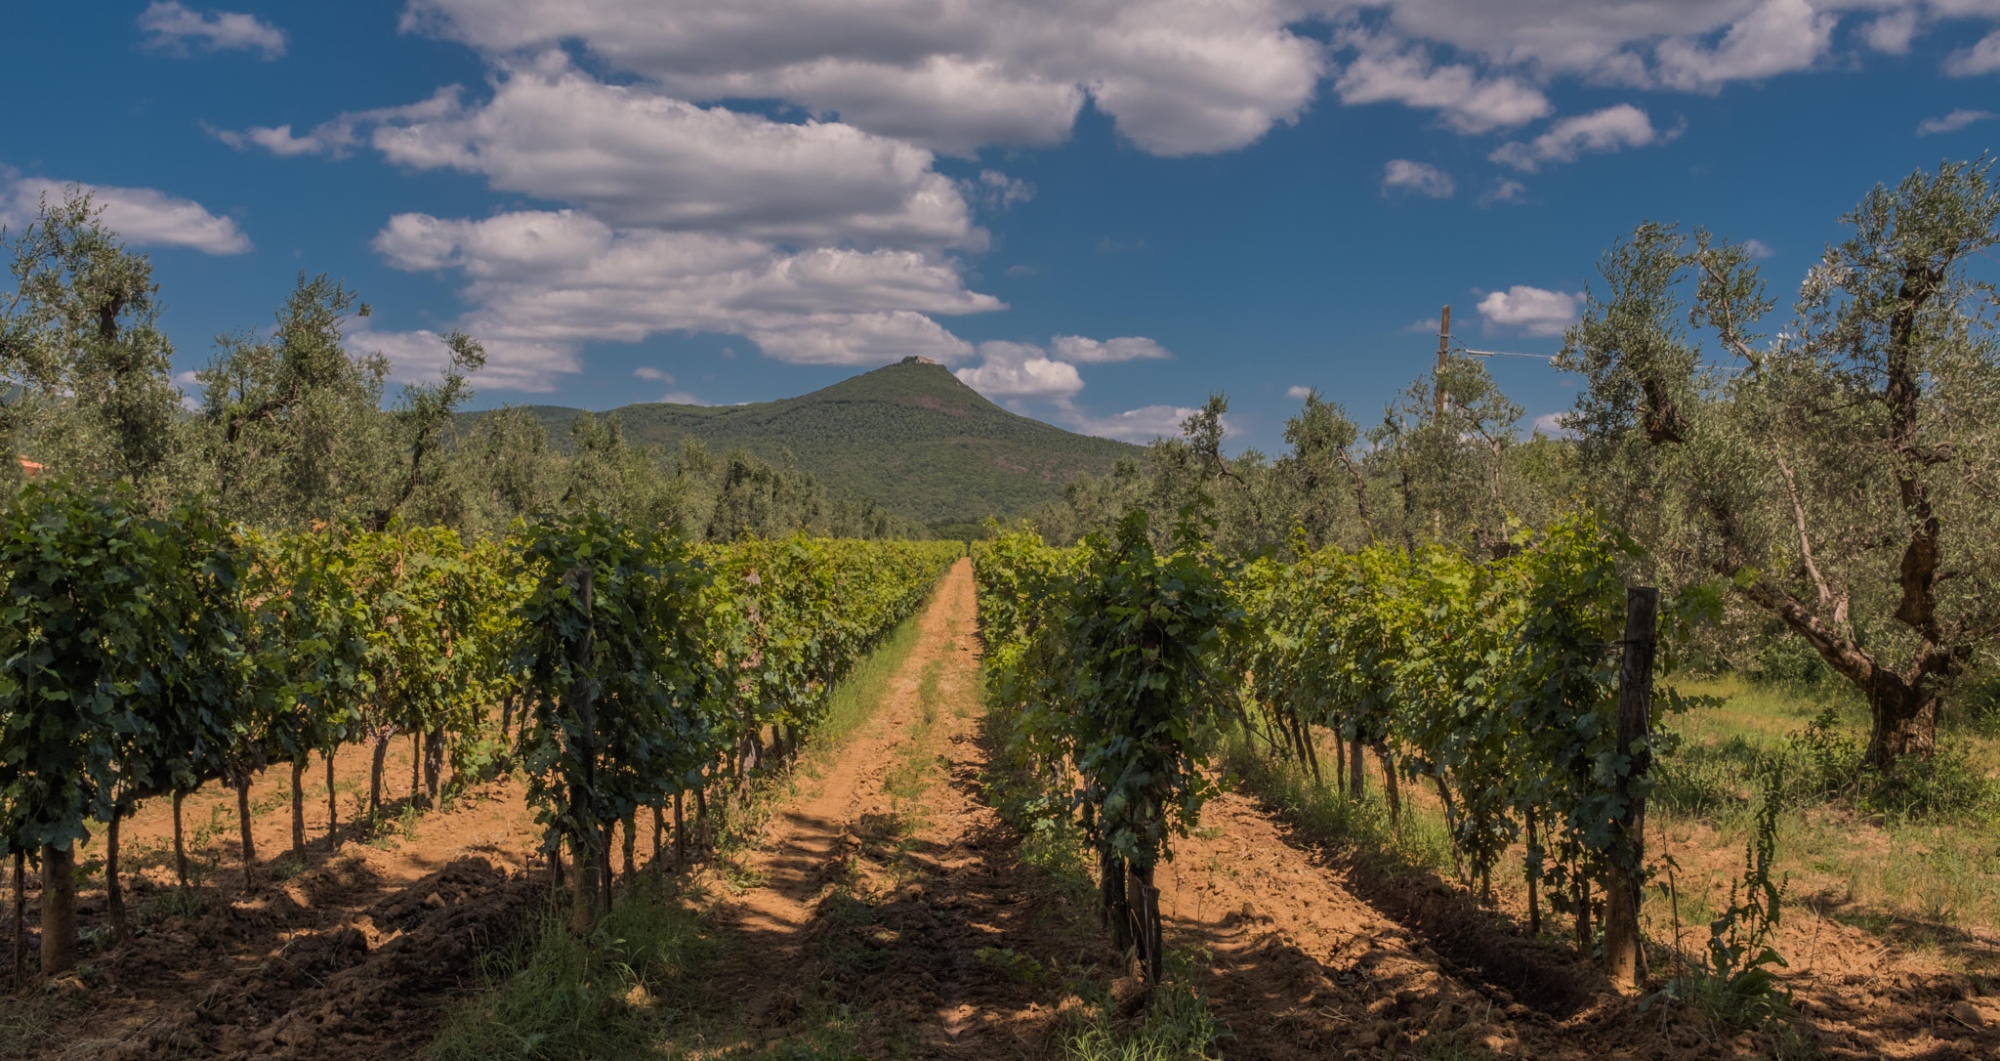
x=908 y=436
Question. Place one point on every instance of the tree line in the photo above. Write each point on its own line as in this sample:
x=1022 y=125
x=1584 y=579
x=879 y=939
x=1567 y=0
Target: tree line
x=292 y=425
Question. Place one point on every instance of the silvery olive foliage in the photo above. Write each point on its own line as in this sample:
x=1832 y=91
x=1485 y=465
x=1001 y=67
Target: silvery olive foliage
x=1839 y=471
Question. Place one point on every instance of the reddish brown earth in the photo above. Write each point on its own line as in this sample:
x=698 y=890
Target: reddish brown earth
x=885 y=885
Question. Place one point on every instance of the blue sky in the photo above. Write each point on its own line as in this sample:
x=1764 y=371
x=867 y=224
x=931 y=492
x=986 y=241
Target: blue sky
x=1096 y=211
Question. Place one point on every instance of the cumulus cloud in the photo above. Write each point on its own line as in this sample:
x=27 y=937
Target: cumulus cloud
x=996 y=191
x=178 y=30
x=1554 y=425
x=1298 y=393
x=1419 y=178
x=1757 y=248
x=543 y=282
x=1093 y=351
x=1391 y=71
x=1891 y=34
x=1134 y=425
x=1981 y=58
x=1610 y=129
x=1953 y=122
x=656 y=374
x=338 y=137
x=1776 y=37
x=511 y=364
x=1531 y=309
x=1683 y=44
x=1020 y=370
x=1177 y=77
x=1504 y=191
x=636 y=157
x=141 y=216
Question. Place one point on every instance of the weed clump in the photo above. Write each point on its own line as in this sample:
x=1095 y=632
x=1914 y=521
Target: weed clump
x=559 y=995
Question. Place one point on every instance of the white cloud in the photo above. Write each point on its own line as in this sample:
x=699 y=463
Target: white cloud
x=1684 y=44
x=178 y=30
x=1891 y=34
x=681 y=398
x=1981 y=58
x=511 y=365
x=1776 y=37
x=1092 y=351
x=1504 y=191
x=339 y=137
x=655 y=374
x=1298 y=393
x=544 y=282
x=1610 y=129
x=1134 y=425
x=1427 y=326
x=1388 y=71
x=1953 y=122
x=635 y=157
x=1531 y=309
x=1177 y=76
x=1024 y=370
x=1420 y=178
x=996 y=191
x=1757 y=248
x=1553 y=425
x=1020 y=370
x=140 y=216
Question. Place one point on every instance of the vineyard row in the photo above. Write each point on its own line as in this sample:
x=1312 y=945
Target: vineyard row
x=143 y=655
x=1494 y=681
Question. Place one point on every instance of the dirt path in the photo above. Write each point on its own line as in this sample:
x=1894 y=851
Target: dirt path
x=888 y=883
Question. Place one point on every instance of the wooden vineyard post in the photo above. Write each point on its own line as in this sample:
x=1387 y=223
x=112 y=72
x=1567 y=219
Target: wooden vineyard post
x=242 y=780
x=1623 y=950
x=20 y=916
x=332 y=806
x=583 y=798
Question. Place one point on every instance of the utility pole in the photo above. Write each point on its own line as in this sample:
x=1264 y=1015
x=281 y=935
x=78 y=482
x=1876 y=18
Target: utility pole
x=1444 y=353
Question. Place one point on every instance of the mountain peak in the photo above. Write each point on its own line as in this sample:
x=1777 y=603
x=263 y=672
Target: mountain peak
x=909 y=435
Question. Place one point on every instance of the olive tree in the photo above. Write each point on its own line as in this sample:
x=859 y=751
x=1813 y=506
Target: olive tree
x=1442 y=451
x=1840 y=474
x=293 y=427
x=85 y=382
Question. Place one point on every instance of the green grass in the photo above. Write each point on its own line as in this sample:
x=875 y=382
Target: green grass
x=27 y=1022
x=854 y=700
x=614 y=994
x=1421 y=845
x=1918 y=862
x=1174 y=1025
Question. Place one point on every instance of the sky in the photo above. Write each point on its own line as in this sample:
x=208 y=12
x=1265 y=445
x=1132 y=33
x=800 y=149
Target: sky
x=1096 y=212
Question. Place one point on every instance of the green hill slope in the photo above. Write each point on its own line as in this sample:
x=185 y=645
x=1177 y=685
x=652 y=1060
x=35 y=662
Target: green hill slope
x=909 y=436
